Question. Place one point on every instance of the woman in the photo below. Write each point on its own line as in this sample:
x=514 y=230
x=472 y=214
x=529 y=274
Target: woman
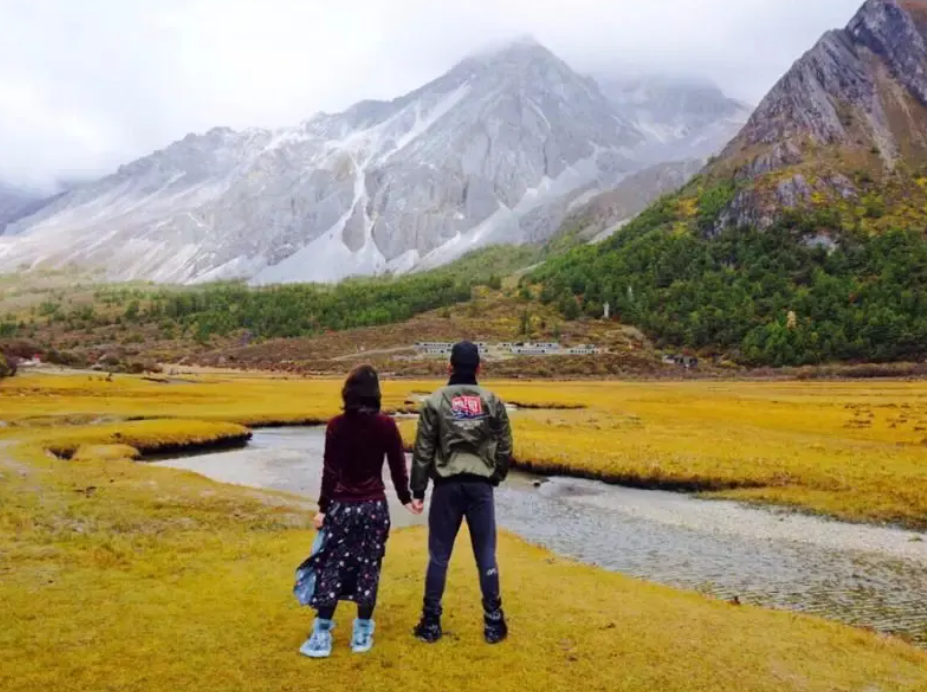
x=353 y=511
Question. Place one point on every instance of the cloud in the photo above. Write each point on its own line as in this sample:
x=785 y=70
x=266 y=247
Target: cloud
x=87 y=86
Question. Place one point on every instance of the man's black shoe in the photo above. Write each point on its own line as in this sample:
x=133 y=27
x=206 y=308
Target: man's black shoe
x=495 y=629
x=428 y=630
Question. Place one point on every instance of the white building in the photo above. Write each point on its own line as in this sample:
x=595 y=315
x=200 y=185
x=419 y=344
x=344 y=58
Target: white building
x=535 y=350
x=583 y=351
x=431 y=345
x=440 y=348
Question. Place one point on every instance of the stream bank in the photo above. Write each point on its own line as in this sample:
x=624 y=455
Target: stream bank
x=866 y=576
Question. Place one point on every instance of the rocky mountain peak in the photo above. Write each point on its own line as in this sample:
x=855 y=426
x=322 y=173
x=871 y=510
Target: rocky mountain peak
x=857 y=101
x=883 y=16
x=894 y=31
x=523 y=66
x=847 y=69
x=521 y=50
x=493 y=151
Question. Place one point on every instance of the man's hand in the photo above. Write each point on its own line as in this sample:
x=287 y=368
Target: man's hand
x=319 y=521
x=416 y=507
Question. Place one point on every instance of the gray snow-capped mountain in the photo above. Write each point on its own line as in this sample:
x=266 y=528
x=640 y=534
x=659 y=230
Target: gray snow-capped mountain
x=490 y=152
x=681 y=118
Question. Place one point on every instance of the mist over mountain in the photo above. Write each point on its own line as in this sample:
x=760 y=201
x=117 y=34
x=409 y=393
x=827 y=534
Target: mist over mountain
x=681 y=118
x=499 y=149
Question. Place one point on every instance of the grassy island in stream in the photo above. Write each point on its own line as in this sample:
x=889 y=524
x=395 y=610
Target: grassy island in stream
x=120 y=576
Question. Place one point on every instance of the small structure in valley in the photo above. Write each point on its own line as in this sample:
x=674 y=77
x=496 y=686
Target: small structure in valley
x=681 y=361
x=533 y=350
x=583 y=350
x=544 y=348
x=433 y=347
x=443 y=348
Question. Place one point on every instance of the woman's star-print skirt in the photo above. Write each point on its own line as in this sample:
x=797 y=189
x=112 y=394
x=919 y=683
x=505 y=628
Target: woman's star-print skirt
x=348 y=566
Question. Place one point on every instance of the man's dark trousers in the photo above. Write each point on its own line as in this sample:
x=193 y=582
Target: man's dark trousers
x=451 y=501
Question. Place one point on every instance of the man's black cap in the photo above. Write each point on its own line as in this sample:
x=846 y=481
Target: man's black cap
x=465 y=356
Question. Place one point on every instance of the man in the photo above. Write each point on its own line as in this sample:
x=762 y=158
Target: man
x=464 y=444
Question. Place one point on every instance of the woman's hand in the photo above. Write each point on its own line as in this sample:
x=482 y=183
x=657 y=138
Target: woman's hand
x=415 y=507
x=318 y=521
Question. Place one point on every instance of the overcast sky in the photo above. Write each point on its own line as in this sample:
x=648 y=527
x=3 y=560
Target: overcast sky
x=86 y=85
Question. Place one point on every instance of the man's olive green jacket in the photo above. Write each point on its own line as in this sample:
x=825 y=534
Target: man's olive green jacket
x=464 y=431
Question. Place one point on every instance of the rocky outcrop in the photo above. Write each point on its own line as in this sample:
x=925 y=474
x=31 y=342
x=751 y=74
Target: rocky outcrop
x=793 y=192
x=894 y=30
x=857 y=101
x=806 y=103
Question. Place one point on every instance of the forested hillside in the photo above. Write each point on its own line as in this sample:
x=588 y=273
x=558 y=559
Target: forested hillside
x=70 y=315
x=784 y=296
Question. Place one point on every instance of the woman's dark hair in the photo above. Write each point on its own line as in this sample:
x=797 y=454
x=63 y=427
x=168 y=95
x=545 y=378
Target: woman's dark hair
x=361 y=391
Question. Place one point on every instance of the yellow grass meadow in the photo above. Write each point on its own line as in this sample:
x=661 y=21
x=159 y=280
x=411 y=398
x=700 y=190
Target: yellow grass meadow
x=857 y=451
x=119 y=576
x=854 y=450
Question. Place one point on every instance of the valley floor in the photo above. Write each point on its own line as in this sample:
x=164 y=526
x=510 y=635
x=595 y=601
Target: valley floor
x=853 y=450
x=117 y=575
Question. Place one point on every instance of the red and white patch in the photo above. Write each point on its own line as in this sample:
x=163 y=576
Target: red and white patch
x=467 y=406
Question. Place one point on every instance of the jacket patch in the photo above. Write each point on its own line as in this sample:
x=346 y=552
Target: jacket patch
x=467 y=407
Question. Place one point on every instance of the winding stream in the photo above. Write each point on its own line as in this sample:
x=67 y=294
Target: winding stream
x=862 y=575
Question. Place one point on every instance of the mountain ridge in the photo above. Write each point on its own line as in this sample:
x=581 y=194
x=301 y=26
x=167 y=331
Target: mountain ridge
x=494 y=151
x=191 y=180
x=848 y=120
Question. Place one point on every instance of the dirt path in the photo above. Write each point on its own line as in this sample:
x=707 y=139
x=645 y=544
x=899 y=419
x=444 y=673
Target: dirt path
x=373 y=352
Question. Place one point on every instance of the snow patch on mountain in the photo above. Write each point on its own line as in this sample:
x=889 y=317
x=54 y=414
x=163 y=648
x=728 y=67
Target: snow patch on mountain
x=498 y=150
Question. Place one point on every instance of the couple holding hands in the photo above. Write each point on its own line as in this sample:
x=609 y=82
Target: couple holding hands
x=463 y=445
